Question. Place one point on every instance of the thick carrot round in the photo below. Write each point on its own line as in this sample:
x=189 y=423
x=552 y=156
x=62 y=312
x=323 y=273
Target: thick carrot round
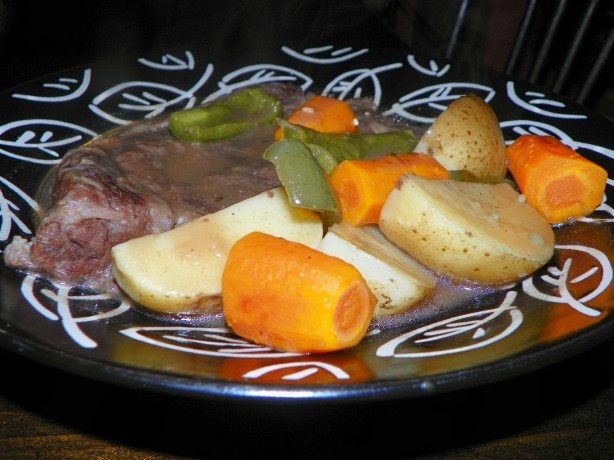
x=291 y=297
x=559 y=183
x=323 y=114
x=362 y=186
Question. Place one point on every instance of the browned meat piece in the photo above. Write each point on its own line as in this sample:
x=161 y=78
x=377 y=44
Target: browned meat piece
x=93 y=210
x=135 y=181
x=140 y=180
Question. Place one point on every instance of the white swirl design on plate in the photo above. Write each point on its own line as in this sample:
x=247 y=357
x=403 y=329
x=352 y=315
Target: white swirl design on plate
x=348 y=83
x=259 y=74
x=436 y=98
x=221 y=342
x=209 y=341
x=144 y=99
x=597 y=148
x=311 y=368
x=66 y=304
x=603 y=207
x=535 y=101
x=71 y=88
x=433 y=69
x=327 y=54
x=560 y=278
x=170 y=62
x=40 y=136
x=474 y=324
x=8 y=209
x=520 y=127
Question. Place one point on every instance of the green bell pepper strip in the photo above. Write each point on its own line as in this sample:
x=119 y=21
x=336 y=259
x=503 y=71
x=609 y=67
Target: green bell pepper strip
x=325 y=159
x=354 y=146
x=301 y=175
x=226 y=118
x=304 y=157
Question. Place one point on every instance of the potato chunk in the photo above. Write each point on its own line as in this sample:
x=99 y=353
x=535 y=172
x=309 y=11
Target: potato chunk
x=397 y=281
x=174 y=271
x=466 y=136
x=473 y=231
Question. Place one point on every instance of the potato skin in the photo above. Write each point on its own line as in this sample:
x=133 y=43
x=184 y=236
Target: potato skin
x=470 y=231
x=467 y=136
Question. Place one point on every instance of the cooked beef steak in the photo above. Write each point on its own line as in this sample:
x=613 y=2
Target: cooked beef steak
x=139 y=180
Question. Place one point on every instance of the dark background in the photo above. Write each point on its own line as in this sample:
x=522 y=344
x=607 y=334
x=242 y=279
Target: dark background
x=489 y=30
x=37 y=38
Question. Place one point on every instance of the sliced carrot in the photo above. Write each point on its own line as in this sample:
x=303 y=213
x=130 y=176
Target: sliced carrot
x=323 y=114
x=291 y=297
x=362 y=186
x=559 y=183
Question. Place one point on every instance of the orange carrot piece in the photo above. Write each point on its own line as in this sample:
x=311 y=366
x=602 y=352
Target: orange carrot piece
x=291 y=297
x=559 y=183
x=323 y=114
x=362 y=186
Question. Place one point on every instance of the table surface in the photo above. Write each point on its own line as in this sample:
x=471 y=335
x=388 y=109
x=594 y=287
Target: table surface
x=563 y=411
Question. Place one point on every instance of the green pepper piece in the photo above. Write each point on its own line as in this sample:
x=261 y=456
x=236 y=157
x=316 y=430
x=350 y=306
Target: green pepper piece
x=325 y=159
x=226 y=118
x=301 y=175
x=392 y=142
x=354 y=146
x=341 y=146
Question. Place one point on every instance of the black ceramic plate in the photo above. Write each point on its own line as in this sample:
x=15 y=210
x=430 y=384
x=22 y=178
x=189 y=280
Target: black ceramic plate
x=479 y=337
